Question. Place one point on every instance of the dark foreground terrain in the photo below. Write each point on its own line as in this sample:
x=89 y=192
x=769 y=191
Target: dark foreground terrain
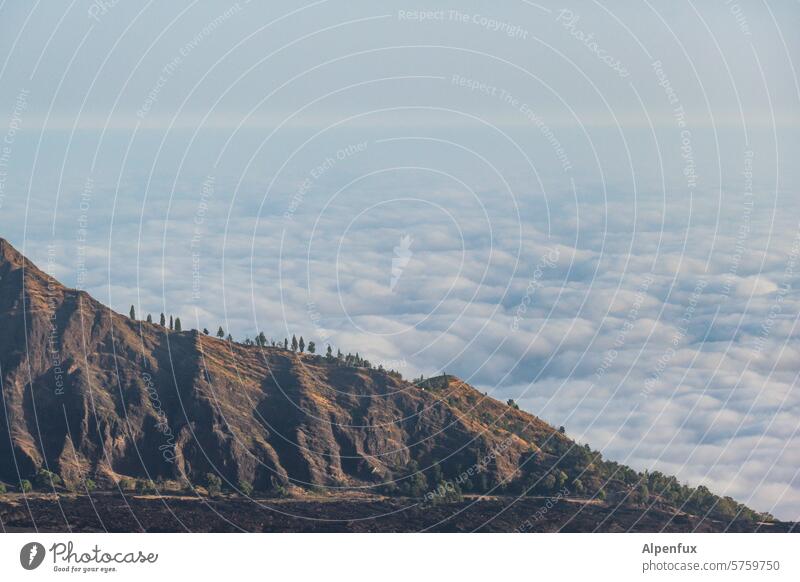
x=117 y=513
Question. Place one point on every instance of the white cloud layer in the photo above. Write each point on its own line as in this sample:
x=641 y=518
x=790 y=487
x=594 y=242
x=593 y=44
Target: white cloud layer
x=614 y=260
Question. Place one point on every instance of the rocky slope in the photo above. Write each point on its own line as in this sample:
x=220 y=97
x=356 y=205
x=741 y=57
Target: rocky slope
x=88 y=392
x=91 y=394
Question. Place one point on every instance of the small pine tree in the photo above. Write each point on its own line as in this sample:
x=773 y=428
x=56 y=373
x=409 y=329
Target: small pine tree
x=171 y=324
x=149 y=318
x=312 y=348
x=262 y=339
x=285 y=344
x=146 y=487
x=246 y=488
x=294 y=343
x=177 y=324
x=47 y=479
x=329 y=353
x=133 y=312
x=163 y=320
x=220 y=332
x=302 y=345
x=213 y=484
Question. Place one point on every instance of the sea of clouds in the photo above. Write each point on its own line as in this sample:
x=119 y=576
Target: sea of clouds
x=661 y=329
x=589 y=209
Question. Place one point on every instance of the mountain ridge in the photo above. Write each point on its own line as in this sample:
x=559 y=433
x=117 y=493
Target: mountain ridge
x=97 y=396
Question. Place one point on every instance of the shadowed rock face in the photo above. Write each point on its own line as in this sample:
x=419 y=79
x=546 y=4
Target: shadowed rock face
x=89 y=393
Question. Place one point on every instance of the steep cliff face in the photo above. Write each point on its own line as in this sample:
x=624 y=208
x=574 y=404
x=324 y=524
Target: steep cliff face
x=91 y=393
